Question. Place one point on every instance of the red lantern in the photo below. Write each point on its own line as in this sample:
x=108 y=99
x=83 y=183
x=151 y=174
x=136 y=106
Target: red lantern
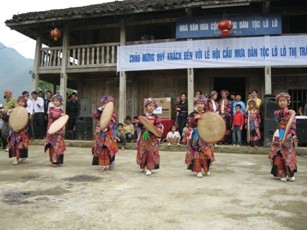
x=56 y=34
x=225 y=26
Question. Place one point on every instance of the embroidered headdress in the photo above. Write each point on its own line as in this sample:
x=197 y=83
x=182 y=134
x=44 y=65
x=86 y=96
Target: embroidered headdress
x=150 y=100
x=24 y=99
x=283 y=94
x=57 y=96
x=201 y=98
x=212 y=93
x=224 y=91
x=106 y=99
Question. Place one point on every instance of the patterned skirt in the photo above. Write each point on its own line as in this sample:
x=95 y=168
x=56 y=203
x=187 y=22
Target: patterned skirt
x=283 y=157
x=148 y=153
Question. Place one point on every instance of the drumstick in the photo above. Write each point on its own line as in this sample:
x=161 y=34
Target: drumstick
x=287 y=130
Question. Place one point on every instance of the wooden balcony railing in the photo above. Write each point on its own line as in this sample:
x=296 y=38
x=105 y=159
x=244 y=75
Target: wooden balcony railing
x=84 y=56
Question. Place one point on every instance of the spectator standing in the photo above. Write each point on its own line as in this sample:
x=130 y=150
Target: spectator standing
x=72 y=109
x=47 y=101
x=29 y=108
x=198 y=93
x=177 y=102
x=182 y=110
x=225 y=112
x=9 y=103
x=135 y=125
x=252 y=123
x=254 y=96
x=212 y=105
x=237 y=126
x=238 y=101
x=39 y=116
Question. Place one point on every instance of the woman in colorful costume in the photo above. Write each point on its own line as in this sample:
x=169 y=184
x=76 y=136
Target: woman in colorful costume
x=18 y=141
x=252 y=124
x=55 y=142
x=225 y=112
x=199 y=154
x=148 y=144
x=105 y=146
x=212 y=105
x=282 y=153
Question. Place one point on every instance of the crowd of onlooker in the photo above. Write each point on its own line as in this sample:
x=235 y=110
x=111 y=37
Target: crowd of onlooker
x=241 y=118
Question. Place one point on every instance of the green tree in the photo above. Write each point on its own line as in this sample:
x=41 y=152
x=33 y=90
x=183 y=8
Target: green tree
x=45 y=86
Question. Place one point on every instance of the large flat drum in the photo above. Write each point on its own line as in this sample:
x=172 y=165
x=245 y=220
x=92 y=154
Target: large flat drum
x=18 y=118
x=58 y=124
x=106 y=115
x=211 y=127
x=150 y=127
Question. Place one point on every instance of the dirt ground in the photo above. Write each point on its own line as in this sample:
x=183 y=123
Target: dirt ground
x=239 y=194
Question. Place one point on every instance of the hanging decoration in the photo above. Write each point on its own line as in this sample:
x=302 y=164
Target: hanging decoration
x=56 y=34
x=225 y=26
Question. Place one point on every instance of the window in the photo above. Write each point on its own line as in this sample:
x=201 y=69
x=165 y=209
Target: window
x=298 y=99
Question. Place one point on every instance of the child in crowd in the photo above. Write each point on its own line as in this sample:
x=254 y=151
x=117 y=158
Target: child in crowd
x=55 y=142
x=282 y=153
x=252 y=124
x=183 y=135
x=186 y=133
x=128 y=129
x=237 y=126
x=105 y=146
x=173 y=136
x=199 y=155
x=148 y=144
x=135 y=125
x=18 y=141
x=120 y=135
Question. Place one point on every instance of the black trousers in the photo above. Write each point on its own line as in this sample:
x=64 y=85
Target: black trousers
x=39 y=125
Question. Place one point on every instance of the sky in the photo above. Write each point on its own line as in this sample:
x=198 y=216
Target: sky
x=25 y=45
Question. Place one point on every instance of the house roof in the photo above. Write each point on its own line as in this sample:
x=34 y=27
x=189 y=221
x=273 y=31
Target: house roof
x=117 y=8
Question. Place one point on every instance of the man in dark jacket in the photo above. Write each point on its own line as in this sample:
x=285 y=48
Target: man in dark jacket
x=72 y=108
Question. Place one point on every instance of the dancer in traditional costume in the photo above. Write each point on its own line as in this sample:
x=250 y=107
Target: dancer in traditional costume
x=105 y=146
x=55 y=142
x=18 y=141
x=252 y=124
x=148 y=143
x=199 y=154
x=282 y=153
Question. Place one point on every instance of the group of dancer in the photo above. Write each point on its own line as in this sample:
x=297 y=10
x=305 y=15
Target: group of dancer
x=199 y=155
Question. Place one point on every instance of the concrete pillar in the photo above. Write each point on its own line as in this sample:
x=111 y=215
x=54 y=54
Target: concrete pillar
x=63 y=74
x=190 y=89
x=122 y=96
x=37 y=57
x=134 y=96
x=122 y=77
x=267 y=80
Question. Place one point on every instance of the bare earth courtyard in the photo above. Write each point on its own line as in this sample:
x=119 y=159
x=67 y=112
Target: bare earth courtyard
x=239 y=194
